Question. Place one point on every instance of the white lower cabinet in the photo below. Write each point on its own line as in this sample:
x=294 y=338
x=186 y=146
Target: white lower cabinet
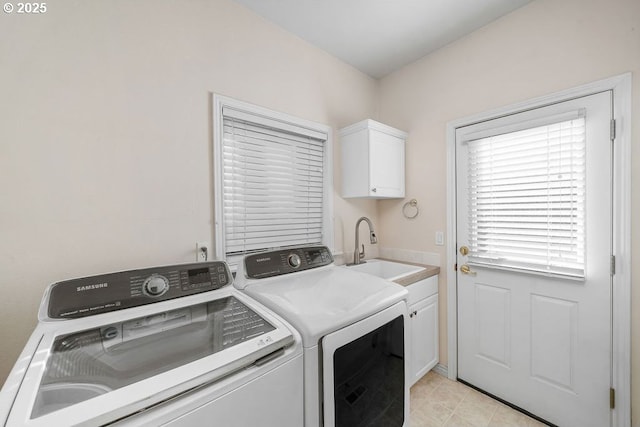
x=423 y=314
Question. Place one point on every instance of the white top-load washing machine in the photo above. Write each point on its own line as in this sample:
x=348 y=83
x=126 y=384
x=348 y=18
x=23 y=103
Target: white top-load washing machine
x=354 y=330
x=174 y=345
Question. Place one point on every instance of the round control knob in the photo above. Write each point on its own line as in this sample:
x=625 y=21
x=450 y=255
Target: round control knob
x=294 y=260
x=155 y=285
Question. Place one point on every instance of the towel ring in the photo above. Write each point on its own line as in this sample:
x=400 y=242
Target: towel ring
x=413 y=203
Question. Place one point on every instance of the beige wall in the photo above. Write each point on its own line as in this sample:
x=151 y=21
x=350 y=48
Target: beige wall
x=105 y=156
x=545 y=47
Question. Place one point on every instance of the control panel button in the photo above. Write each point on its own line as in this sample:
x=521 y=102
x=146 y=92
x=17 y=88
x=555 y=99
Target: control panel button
x=294 y=260
x=155 y=285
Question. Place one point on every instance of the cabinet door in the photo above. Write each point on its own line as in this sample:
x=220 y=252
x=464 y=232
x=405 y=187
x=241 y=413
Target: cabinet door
x=424 y=337
x=386 y=157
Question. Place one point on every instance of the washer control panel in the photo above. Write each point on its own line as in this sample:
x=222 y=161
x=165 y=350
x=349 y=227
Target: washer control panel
x=109 y=292
x=284 y=261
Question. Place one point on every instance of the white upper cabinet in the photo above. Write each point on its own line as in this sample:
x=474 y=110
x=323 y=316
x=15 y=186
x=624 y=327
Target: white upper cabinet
x=372 y=160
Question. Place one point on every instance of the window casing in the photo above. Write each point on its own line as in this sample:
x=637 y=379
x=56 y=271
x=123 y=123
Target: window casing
x=272 y=180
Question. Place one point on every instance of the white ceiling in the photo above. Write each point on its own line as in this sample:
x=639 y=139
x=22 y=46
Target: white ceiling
x=380 y=36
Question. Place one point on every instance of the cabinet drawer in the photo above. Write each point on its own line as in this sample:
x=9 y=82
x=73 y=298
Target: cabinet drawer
x=422 y=289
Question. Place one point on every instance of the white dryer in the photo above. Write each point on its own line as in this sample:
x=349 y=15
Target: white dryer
x=174 y=345
x=354 y=330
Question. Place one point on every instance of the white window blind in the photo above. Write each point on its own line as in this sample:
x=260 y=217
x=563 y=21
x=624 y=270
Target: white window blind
x=272 y=187
x=527 y=199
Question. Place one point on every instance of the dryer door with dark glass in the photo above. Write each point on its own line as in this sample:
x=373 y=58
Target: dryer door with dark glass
x=365 y=372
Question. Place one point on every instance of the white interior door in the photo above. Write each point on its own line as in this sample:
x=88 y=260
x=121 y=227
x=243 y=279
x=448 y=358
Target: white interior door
x=534 y=288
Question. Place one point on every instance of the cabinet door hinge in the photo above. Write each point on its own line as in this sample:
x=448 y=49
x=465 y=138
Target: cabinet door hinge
x=613 y=264
x=613 y=129
x=455 y=267
x=612 y=398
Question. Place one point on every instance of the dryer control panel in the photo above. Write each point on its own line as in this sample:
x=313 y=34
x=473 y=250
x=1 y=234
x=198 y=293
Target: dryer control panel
x=115 y=291
x=283 y=261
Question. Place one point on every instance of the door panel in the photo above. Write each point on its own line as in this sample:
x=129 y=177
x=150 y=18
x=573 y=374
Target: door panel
x=553 y=341
x=493 y=329
x=541 y=340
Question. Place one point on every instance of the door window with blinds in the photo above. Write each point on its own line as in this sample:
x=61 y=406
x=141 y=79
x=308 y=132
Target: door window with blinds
x=527 y=197
x=271 y=181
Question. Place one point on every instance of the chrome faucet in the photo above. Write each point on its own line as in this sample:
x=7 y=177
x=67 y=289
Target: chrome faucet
x=357 y=255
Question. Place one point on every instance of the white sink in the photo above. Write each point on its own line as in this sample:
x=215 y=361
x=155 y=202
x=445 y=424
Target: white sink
x=388 y=270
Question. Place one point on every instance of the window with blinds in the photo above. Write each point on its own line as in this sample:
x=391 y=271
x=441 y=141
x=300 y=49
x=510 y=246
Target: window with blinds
x=272 y=184
x=527 y=199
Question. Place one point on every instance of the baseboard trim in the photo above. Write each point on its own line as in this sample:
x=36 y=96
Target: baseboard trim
x=442 y=370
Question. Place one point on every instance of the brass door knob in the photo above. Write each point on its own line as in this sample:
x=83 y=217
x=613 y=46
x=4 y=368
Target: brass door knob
x=464 y=250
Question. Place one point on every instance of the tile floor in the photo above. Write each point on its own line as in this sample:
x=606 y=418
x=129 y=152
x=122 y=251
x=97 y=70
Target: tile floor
x=438 y=401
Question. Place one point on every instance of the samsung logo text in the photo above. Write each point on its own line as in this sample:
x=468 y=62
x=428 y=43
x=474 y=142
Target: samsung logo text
x=90 y=287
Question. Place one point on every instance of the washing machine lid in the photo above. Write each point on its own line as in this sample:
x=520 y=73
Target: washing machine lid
x=322 y=300
x=118 y=364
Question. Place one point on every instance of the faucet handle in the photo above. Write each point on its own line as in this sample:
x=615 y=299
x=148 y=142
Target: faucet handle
x=361 y=254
